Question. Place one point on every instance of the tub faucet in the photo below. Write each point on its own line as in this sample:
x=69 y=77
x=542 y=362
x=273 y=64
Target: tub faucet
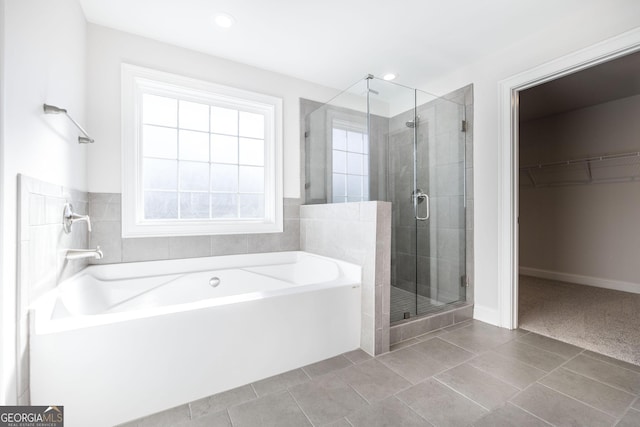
x=69 y=218
x=84 y=253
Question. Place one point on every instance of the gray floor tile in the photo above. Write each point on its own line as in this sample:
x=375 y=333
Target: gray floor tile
x=280 y=382
x=440 y=405
x=342 y=422
x=457 y=326
x=387 y=413
x=550 y=344
x=530 y=355
x=631 y=419
x=443 y=352
x=510 y=416
x=404 y=344
x=478 y=386
x=636 y=405
x=166 y=418
x=601 y=396
x=373 y=380
x=357 y=356
x=218 y=419
x=221 y=401
x=508 y=370
x=436 y=333
x=327 y=398
x=326 y=366
x=613 y=361
x=559 y=409
x=277 y=410
x=480 y=337
x=607 y=373
x=412 y=365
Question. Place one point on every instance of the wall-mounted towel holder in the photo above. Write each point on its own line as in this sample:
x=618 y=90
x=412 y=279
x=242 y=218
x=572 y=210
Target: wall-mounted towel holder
x=52 y=109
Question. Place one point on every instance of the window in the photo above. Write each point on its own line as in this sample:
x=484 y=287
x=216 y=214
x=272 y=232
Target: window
x=350 y=160
x=198 y=158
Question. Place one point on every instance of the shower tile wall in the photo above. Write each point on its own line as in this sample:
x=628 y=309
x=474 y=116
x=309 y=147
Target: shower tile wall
x=41 y=262
x=104 y=209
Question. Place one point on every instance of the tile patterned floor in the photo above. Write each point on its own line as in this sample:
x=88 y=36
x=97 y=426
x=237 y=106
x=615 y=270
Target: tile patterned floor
x=403 y=301
x=470 y=374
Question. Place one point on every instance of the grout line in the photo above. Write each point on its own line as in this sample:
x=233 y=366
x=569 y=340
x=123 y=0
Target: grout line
x=502 y=379
x=226 y=411
x=299 y=407
x=463 y=395
x=578 y=400
x=614 y=386
x=530 y=413
x=456 y=345
x=255 y=391
x=412 y=410
x=609 y=363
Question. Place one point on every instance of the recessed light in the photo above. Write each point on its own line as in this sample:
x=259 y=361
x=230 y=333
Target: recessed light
x=223 y=20
x=389 y=76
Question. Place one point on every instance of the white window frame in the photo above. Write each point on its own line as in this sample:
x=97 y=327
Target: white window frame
x=137 y=81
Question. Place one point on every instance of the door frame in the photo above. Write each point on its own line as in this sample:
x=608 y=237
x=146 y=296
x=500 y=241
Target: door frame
x=509 y=90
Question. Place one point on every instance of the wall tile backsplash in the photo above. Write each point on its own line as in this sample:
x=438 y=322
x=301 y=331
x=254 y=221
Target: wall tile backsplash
x=41 y=258
x=104 y=209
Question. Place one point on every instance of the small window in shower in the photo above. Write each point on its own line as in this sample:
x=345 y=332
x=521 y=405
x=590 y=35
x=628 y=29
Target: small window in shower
x=350 y=162
x=199 y=158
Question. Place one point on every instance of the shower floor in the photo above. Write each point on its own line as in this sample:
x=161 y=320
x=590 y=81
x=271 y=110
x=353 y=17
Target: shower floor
x=402 y=301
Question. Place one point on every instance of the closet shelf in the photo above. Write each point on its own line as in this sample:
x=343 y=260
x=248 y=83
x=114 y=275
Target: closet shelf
x=609 y=168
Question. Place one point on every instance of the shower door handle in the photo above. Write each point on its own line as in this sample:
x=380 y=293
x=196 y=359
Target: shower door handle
x=418 y=196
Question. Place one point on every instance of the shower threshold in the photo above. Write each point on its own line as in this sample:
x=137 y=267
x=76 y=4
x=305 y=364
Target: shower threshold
x=440 y=316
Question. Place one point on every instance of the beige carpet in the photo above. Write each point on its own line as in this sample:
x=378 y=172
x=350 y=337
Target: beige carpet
x=601 y=320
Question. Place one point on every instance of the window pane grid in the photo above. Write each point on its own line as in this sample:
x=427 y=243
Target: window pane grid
x=350 y=152
x=189 y=193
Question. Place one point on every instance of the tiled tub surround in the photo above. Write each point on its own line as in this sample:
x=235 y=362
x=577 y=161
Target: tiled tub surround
x=157 y=335
x=41 y=258
x=471 y=374
x=105 y=212
x=359 y=233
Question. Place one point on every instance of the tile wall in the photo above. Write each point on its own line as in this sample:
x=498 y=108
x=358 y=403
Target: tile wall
x=104 y=209
x=359 y=233
x=41 y=256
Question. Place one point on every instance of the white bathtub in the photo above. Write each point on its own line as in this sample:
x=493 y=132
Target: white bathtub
x=118 y=342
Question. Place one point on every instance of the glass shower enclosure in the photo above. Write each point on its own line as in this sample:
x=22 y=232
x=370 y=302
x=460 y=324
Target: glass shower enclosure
x=378 y=140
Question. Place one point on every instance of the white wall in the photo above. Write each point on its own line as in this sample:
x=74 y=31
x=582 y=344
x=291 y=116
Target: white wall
x=108 y=48
x=582 y=29
x=589 y=231
x=44 y=61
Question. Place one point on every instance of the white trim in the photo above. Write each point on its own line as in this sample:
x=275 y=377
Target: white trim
x=578 y=279
x=508 y=192
x=485 y=314
x=136 y=81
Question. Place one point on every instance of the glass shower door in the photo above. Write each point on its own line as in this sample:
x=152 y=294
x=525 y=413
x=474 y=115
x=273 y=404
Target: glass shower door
x=438 y=198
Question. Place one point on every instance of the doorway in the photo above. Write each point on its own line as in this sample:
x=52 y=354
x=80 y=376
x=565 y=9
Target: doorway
x=510 y=89
x=579 y=200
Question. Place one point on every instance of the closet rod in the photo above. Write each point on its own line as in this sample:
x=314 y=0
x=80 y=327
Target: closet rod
x=585 y=160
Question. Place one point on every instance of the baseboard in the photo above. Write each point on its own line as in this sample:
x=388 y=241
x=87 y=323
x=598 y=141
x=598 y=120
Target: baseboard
x=486 y=315
x=581 y=280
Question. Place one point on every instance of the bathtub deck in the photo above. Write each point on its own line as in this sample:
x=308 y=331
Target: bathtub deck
x=473 y=369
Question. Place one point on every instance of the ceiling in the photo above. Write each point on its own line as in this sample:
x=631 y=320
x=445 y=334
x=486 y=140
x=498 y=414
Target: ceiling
x=615 y=79
x=336 y=42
